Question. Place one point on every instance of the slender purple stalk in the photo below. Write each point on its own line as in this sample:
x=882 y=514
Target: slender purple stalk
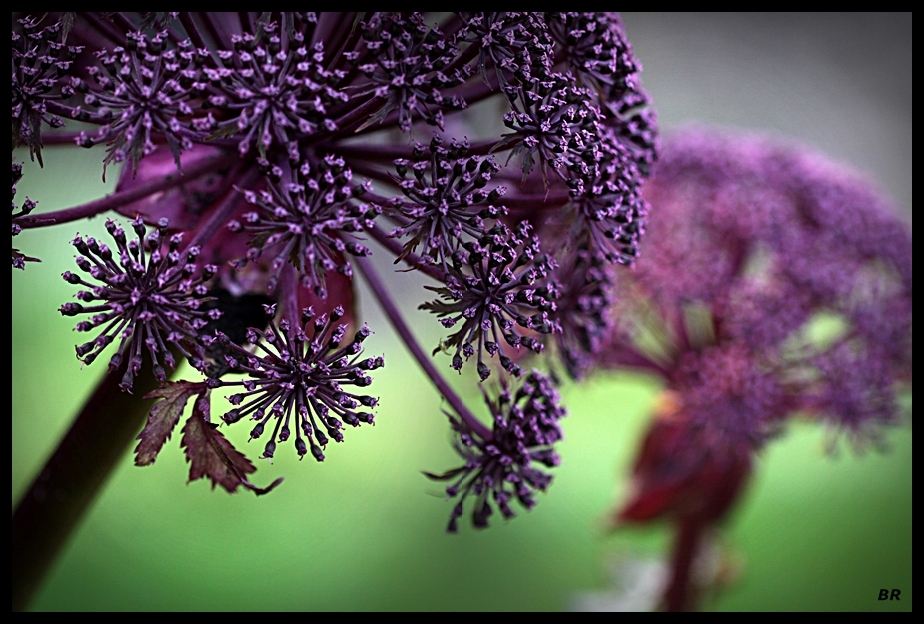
x=221 y=213
x=121 y=198
x=394 y=315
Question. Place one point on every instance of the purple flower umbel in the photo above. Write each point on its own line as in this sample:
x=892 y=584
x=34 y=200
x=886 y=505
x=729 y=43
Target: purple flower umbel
x=40 y=61
x=299 y=379
x=299 y=222
x=496 y=285
x=148 y=296
x=774 y=280
x=19 y=213
x=483 y=150
x=776 y=284
x=502 y=468
x=143 y=88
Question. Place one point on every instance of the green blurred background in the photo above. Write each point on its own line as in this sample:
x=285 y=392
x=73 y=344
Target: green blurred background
x=364 y=530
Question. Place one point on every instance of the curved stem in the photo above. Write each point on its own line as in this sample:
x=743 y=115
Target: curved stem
x=105 y=29
x=60 y=137
x=155 y=185
x=354 y=117
x=59 y=497
x=288 y=290
x=394 y=315
x=69 y=112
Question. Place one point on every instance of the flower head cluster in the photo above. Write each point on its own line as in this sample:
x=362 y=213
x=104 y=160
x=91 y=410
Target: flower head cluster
x=298 y=380
x=445 y=185
x=502 y=468
x=609 y=211
x=18 y=216
x=40 y=62
x=308 y=221
x=554 y=120
x=597 y=51
x=779 y=284
x=516 y=43
x=582 y=310
x=409 y=65
x=142 y=88
x=499 y=154
x=149 y=294
x=496 y=285
x=270 y=91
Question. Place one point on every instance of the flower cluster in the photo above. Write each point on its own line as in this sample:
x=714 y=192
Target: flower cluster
x=142 y=88
x=446 y=184
x=40 y=63
x=776 y=284
x=501 y=468
x=499 y=154
x=409 y=65
x=300 y=221
x=299 y=379
x=18 y=216
x=582 y=309
x=149 y=294
x=779 y=283
x=495 y=285
x=272 y=96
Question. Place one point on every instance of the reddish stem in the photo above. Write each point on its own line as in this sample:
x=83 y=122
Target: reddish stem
x=680 y=594
x=59 y=497
x=223 y=211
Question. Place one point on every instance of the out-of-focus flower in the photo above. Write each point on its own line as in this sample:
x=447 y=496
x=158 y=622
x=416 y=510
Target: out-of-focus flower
x=773 y=280
x=775 y=284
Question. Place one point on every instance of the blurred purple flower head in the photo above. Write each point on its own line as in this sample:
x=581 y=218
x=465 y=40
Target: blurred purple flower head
x=774 y=283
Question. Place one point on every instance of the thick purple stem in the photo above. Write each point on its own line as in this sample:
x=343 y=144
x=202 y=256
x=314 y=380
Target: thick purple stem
x=680 y=594
x=394 y=315
x=193 y=31
x=61 y=494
